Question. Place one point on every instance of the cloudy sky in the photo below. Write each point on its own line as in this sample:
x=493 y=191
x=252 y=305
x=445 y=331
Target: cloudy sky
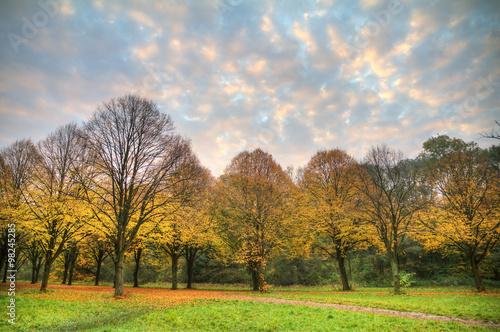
x=289 y=76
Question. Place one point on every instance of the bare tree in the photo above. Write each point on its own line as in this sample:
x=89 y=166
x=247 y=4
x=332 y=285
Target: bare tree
x=132 y=154
x=388 y=185
x=493 y=134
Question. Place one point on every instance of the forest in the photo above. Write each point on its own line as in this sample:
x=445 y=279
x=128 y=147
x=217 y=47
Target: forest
x=124 y=199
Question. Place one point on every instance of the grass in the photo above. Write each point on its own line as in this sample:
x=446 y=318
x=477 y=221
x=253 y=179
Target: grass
x=208 y=315
x=62 y=309
x=227 y=315
x=477 y=306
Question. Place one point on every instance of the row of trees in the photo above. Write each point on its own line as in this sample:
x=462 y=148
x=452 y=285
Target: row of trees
x=125 y=181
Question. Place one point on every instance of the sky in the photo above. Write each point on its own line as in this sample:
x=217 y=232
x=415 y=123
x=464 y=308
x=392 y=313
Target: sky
x=291 y=77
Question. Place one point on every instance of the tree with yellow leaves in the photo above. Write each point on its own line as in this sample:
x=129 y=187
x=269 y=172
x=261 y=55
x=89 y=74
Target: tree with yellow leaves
x=252 y=205
x=183 y=225
x=16 y=165
x=330 y=202
x=464 y=209
x=50 y=194
x=387 y=183
x=132 y=154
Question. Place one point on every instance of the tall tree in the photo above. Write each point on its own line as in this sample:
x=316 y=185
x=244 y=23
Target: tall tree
x=96 y=249
x=253 y=209
x=173 y=233
x=330 y=201
x=34 y=254
x=50 y=193
x=388 y=183
x=132 y=153
x=464 y=212
x=16 y=165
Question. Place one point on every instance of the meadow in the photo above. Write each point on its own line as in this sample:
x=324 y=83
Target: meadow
x=222 y=308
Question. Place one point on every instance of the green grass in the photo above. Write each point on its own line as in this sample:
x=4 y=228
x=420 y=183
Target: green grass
x=41 y=315
x=482 y=307
x=208 y=315
x=60 y=310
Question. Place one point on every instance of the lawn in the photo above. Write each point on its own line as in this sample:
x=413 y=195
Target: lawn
x=456 y=304
x=93 y=308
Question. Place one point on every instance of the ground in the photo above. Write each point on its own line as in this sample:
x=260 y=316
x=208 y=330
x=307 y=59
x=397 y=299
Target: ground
x=82 y=307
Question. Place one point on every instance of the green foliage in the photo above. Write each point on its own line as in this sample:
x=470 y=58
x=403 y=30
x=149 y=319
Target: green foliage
x=406 y=279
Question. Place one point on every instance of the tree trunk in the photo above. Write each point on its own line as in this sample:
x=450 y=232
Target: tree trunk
x=46 y=271
x=393 y=260
x=74 y=256
x=98 y=272
x=477 y=275
x=175 y=262
x=255 y=279
x=137 y=258
x=4 y=279
x=4 y=250
x=66 y=268
x=33 y=273
x=349 y=267
x=343 y=274
x=190 y=254
x=37 y=270
x=119 y=267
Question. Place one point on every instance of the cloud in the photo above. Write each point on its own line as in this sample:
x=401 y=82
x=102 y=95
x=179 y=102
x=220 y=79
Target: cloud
x=290 y=77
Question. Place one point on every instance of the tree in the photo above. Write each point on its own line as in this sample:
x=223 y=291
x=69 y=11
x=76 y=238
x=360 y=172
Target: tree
x=252 y=206
x=96 y=249
x=465 y=207
x=137 y=259
x=199 y=235
x=70 y=255
x=16 y=165
x=49 y=195
x=34 y=254
x=330 y=201
x=132 y=154
x=388 y=183
x=174 y=232
x=493 y=134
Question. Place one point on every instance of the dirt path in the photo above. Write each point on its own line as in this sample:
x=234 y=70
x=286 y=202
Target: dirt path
x=416 y=315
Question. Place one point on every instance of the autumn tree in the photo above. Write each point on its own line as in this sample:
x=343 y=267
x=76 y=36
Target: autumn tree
x=465 y=206
x=16 y=165
x=132 y=152
x=388 y=184
x=69 y=257
x=176 y=222
x=95 y=249
x=331 y=200
x=252 y=206
x=34 y=253
x=50 y=195
x=199 y=235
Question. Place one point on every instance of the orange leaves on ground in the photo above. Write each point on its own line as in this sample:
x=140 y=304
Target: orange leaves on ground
x=157 y=298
